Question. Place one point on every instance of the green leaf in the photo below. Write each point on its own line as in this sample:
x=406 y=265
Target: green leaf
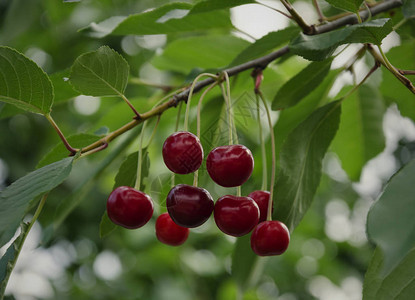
x=392 y=89
x=127 y=174
x=243 y=261
x=23 y=83
x=408 y=9
x=390 y=221
x=210 y=5
x=100 y=73
x=63 y=89
x=169 y=18
x=16 y=198
x=60 y=151
x=301 y=84
x=106 y=226
x=205 y=52
x=265 y=45
x=398 y=285
x=321 y=46
x=350 y=5
x=300 y=164
x=5 y=260
x=360 y=136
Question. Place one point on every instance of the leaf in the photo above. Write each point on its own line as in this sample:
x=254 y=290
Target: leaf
x=360 y=136
x=100 y=73
x=300 y=164
x=5 y=260
x=301 y=84
x=60 y=151
x=393 y=90
x=243 y=261
x=321 y=46
x=169 y=18
x=266 y=44
x=390 y=221
x=63 y=89
x=408 y=9
x=210 y=5
x=205 y=52
x=398 y=285
x=106 y=226
x=350 y=5
x=23 y=83
x=127 y=174
x=16 y=198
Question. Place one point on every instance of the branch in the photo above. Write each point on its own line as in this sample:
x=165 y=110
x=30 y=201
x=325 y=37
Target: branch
x=259 y=63
x=307 y=29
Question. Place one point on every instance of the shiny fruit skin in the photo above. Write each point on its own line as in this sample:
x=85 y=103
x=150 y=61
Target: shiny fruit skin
x=261 y=198
x=129 y=207
x=170 y=233
x=236 y=216
x=270 y=238
x=189 y=206
x=182 y=152
x=231 y=165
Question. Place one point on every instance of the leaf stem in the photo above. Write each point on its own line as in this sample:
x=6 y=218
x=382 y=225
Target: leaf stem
x=385 y=62
x=321 y=17
x=137 y=115
x=61 y=135
x=275 y=9
x=273 y=152
x=21 y=240
x=307 y=29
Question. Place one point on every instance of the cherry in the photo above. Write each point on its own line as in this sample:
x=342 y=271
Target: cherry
x=236 y=216
x=270 y=238
x=182 y=152
x=129 y=207
x=170 y=233
x=261 y=198
x=230 y=165
x=189 y=206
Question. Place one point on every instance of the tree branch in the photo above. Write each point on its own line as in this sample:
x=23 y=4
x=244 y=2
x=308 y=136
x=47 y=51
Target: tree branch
x=260 y=63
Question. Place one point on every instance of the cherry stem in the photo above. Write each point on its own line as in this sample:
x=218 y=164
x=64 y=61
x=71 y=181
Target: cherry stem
x=263 y=151
x=61 y=135
x=140 y=157
x=189 y=97
x=176 y=128
x=228 y=87
x=274 y=167
x=199 y=108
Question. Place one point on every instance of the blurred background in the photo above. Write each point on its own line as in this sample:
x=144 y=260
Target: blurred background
x=64 y=256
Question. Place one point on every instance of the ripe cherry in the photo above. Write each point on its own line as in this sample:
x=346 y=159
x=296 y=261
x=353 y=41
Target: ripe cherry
x=261 y=198
x=230 y=165
x=129 y=207
x=236 y=216
x=189 y=206
x=270 y=238
x=182 y=152
x=170 y=233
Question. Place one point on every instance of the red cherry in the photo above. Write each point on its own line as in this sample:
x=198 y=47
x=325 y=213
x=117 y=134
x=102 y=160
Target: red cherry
x=230 y=165
x=261 y=198
x=236 y=216
x=169 y=232
x=189 y=206
x=129 y=208
x=182 y=152
x=270 y=238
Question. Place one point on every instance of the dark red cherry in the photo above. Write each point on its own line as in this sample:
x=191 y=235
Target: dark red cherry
x=270 y=238
x=182 y=152
x=129 y=208
x=170 y=233
x=236 y=216
x=189 y=206
x=230 y=165
x=261 y=198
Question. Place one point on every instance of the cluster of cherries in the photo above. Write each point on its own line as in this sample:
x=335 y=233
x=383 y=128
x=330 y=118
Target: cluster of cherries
x=190 y=206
